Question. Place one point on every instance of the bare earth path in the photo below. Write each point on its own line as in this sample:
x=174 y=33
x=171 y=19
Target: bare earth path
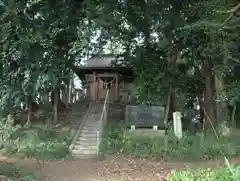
x=111 y=168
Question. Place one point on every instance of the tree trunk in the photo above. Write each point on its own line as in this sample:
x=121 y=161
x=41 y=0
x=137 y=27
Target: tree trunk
x=70 y=97
x=46 y=98
x=221 y=106
x=233 y=120
x=64 y=97
x=209 y=102
x=172 y=67
x=29 y=114
x=55 y=105
x=167 y=107
x=173 y=101
x=67 y=93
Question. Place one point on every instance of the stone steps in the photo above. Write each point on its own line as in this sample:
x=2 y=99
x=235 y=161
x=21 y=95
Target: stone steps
x=85 y=154
x=86 y=147
x=87 y=144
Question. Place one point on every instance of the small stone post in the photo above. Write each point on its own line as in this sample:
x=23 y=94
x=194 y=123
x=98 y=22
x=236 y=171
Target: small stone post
x=177 y=124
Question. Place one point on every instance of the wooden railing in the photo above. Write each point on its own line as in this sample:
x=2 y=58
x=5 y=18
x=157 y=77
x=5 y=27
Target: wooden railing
x=78 y=131
x=103 y=122
x=103 y=118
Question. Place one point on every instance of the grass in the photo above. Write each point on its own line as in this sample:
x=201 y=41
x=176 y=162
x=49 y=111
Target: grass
x=12 y=172
x=33 y=142
x=190 y=148
x=219 y=174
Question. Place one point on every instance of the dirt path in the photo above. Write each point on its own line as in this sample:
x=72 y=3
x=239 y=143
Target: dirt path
x=114 y=169
x=111 y=168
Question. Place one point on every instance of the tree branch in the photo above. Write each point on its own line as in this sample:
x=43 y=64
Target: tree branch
x=233 y=10
x=232 y=13
x=228 y=19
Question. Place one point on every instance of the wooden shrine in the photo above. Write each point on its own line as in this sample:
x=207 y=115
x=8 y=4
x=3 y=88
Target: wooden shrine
x=104 y=72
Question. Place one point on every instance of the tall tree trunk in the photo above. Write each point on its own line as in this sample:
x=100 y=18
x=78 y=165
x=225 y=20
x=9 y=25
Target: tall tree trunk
x=67 y=94
x=29 y=113
x=174 y=106
x=46 y=98
x=221 y=106
x=64 y=91
x=172 y=63
x=233 y=120
x=209 y=102
x=55 y=105
x=70 y=91
x=167 y=107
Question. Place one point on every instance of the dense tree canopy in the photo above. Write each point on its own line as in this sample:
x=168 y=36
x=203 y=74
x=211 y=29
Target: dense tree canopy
x=177 y=48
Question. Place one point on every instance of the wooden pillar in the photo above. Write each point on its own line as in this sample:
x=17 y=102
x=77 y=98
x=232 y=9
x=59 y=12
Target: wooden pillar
x=95 y=87
x=117 y=88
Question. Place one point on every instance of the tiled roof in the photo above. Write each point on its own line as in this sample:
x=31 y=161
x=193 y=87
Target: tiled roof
x=104 y=61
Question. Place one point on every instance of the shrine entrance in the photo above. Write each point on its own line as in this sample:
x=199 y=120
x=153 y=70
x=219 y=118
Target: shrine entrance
x=105 y=82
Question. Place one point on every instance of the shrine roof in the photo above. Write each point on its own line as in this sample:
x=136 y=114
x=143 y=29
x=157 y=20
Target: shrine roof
x=104 y=61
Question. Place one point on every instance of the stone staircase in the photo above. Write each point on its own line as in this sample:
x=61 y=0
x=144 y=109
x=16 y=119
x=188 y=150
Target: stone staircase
x=88 y=139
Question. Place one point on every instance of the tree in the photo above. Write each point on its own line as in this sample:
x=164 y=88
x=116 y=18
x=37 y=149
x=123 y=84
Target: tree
x=35 y=40
x=159 y=35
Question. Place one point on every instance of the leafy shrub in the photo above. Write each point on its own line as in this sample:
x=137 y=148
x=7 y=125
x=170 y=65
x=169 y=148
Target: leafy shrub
x=206 y=175
x=14 y=172
x=6 y=133
x=33 y=142
x=191 y=147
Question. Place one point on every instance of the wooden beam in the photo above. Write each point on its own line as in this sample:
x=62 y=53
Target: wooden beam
x=106 y=75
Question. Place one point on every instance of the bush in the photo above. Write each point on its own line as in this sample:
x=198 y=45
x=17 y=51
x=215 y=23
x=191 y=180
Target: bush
x=14 y=172
x=206 y=175
x=6 y=133
x=191 y=147
x=33 y=142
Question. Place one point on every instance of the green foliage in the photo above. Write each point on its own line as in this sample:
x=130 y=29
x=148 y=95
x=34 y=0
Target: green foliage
x=35 y=40
x=190 y=147
x=33 y=142
x=233 y=92
x=221 y=174
x=6 y=132
x=14 y=172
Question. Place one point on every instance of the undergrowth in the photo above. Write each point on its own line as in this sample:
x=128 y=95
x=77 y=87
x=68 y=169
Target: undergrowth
x=191 y=147
x=220 y=174
x=32 y=142
x=12 y=172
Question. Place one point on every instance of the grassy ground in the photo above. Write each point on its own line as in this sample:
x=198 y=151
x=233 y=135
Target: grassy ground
x=219 y=174
x=194 y=148
x=12 y=172
x=34 y=142
x=191 y=148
